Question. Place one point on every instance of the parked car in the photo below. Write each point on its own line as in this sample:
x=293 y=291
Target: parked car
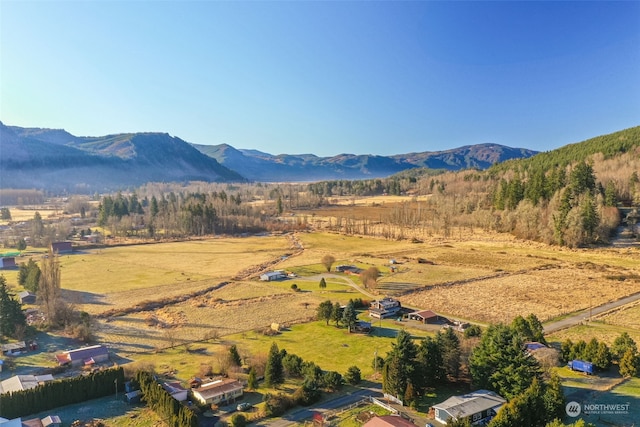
x=243 y=406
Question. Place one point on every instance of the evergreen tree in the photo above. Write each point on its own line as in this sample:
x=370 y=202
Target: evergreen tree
x=336 y=313
x=449 y=345
x=353 y=375
x=11 y=315
x=429 y=364
x=323 y=283
x=325 y=310
x=499 y=363
x=252 y=380
x=234 y=356
x=554 y=400
x=274 y=371
x=400 y=365
x=629 y=363
x=621 y=344
x=349 y=315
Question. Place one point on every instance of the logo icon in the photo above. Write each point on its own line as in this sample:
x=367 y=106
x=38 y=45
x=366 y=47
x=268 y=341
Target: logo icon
x=573 y=409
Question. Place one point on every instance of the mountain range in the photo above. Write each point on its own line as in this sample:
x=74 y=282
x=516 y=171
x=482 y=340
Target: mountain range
x=55 y=160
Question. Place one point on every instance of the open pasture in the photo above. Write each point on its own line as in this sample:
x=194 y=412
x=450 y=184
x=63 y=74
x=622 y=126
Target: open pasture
x=627 y=316
x=121 y=276
x=244 y=307
x=548 y=292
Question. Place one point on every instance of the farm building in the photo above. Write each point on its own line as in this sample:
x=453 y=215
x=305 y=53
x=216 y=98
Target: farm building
x=385 y=307
x=479 y=407
x=220 y=391
x=23 y=382
x=388 y=421
x=426 y=316
x=14 y=347
x=7 y=262
x=27 y=297
x=348 y=269
x=176 y=390
x=84 y=356
x=273 y=275
x=61 y=247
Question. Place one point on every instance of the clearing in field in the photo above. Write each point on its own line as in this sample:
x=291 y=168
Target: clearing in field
x=119 y=277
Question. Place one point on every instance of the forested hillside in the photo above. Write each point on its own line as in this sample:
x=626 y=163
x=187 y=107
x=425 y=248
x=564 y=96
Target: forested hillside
x=570 y=199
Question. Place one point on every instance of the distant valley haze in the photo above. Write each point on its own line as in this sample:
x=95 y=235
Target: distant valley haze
x=56 y=160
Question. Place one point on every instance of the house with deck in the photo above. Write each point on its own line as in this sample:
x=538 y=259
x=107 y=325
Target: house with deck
x=386 y=307
x=479 y=407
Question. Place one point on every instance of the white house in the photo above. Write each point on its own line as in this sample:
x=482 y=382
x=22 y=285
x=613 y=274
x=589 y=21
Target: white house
x=478 y=406
x=220 y=391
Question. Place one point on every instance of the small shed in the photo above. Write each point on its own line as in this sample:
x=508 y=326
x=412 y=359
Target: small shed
x=7 y=262
x=133 y=397
x=51 y=421
x=61 y=247
x=27 y=297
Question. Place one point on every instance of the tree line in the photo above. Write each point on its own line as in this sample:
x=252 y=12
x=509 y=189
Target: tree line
x=170 y=410
x=54 y=394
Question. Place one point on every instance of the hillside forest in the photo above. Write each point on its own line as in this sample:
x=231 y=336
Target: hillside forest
x=569 y=197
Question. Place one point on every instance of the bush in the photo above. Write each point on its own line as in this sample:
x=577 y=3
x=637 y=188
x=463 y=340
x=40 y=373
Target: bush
x=473 y=331
x=238 y=420
x=353 y=375
x=277 y=404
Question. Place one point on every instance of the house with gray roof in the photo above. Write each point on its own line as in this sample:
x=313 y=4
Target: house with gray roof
x=479 y=407
x=23 y=382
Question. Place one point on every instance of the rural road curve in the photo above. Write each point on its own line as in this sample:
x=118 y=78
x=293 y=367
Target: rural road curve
x=586 y=314
x=298 y=415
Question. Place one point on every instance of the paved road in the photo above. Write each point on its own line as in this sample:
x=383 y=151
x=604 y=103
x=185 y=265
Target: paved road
x=586 y=314
x=301 y=414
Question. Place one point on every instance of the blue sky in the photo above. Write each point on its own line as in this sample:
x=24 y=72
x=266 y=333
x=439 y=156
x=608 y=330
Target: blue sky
x=324 y=77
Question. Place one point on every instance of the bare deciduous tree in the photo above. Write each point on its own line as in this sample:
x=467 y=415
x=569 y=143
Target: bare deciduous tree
x=370 y=277
x=49 y=289
x=328 y=261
